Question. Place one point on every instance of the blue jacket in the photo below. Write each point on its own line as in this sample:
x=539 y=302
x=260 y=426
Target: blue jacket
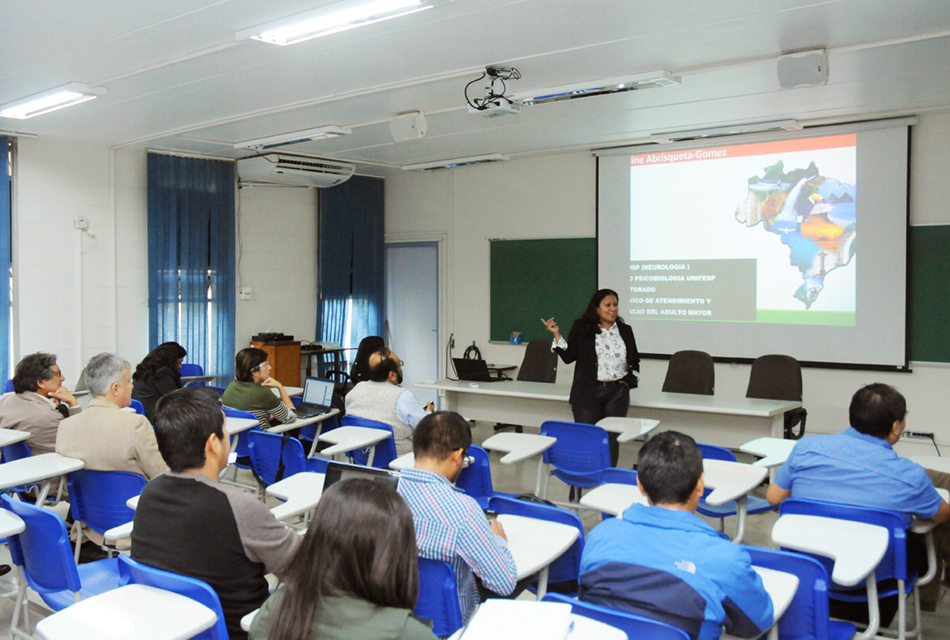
x=671 y=566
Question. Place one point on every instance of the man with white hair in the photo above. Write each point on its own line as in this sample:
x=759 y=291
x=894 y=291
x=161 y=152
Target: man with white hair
x=105 y=437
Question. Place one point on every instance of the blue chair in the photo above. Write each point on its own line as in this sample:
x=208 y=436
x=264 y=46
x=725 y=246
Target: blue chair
x=219 y=390
x=753 y=505
x=269 y=452
x=309 y=432
x=475 y=479
x=892 y=568
x=45 y=559
x=132 y=572
x=8 y=386
x=97 y=499
x=438 y=597
x=580 y=454
x=807 y=616
x=566 y=570
x=385 y=450
x=138 y=407
x=188 y=369
x=241 y=450
x=636 y=627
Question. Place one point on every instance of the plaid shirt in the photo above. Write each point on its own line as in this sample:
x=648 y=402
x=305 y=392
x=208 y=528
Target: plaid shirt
x=451 y=526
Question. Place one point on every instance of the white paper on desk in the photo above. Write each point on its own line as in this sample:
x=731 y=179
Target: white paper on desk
x=498 y=619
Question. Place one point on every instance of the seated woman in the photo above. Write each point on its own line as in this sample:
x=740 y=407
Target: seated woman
x=157 y=375
x=251 y=390
x=354 y=576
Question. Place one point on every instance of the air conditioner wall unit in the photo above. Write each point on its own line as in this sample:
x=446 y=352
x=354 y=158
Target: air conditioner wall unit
x=307 y=171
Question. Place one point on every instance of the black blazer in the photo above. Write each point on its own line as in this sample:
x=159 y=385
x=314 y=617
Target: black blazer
x=580 y=348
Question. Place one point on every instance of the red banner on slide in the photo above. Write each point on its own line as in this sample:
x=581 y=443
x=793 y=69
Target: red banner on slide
x=740 y=150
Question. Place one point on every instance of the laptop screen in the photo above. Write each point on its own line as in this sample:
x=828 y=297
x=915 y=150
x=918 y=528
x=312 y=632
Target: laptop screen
x=318 y=392
x=337 y=471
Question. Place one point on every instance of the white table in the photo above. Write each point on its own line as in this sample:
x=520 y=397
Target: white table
x=403 y=462
x=306 y=422
x=10 y=523
x=936 y=463
x=772 y=451
x=732 y=481
x=301 y=492
x=43 y=468
x=857 y=548
x=581 y=629
x=629 y=428
x=613 y=499
x=535 y=544
x=133 y=611
x=521 y=446
x=12 y=436
x=346 y=439
x=728 y=421
x=189 y=380
x=291 y=391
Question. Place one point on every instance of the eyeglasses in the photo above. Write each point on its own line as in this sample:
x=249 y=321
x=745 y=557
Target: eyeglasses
x=57 y=373
x=467 y=461
x=261 y=366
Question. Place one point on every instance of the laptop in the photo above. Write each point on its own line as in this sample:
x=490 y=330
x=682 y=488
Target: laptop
x=337 y=471
x=317 y=398
x=475 y=370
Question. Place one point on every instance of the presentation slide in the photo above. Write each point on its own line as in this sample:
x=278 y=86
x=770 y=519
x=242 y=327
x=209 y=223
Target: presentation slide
x=746 y=249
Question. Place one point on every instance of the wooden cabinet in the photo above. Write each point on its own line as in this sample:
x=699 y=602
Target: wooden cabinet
x=284 y=358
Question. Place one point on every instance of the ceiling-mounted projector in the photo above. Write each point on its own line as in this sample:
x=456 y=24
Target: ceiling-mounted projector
x=496 y=108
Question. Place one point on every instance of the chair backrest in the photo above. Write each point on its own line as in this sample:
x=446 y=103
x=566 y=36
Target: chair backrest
x=894 y=562
x=385 y=450
x=636 y=627
x=581 y=450
x=614 y=475
x=43 y=549
x=567 y=566
x=807 y=616
x=132 y=572
x=475 y=479
x=713 y=452
x=137 y=406
x=219 y=390
x=241 y=450
x=8 y=386
x=368 y=346
x=190 y=369
x=775 y=377
x=540 y=362
x=438 y=597
x=98 y=498
x=16 y=451
x=270 y=451
x=690 y=372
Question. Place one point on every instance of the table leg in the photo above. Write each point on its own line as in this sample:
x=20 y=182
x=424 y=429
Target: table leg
x=372 y=454
x=874 y=614
x=741 y=507
x=44 y=491
x=316 y=436
x=543 y=582
x=537 y=478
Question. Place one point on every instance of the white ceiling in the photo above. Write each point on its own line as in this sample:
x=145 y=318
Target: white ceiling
x=177 y=79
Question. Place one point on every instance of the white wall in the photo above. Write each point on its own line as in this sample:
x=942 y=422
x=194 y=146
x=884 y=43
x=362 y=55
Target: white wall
x=76 y=296
x=554 y=196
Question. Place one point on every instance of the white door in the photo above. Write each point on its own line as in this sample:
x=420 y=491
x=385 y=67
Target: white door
x=412 y=310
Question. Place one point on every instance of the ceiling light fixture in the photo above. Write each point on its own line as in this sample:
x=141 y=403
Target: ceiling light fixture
x=457 y=162
x=605 y=86
x=337 y=17
x=52 y=100
x=731 y=130
x=282 y=140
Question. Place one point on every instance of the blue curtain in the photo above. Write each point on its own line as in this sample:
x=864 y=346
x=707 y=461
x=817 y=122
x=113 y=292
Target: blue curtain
x=191 y=227
x=6 y=347
x=352 y=260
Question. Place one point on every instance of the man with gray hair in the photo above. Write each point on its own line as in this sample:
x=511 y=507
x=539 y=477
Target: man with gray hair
x=105 y=437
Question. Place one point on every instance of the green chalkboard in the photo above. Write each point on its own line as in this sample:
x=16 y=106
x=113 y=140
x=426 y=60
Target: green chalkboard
x=535 y=278
x=928 y=320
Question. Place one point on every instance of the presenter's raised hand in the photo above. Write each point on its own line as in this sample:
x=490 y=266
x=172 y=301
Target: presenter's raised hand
x=551 y=326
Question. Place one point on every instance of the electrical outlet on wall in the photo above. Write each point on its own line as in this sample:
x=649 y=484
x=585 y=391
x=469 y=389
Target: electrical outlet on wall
x=244 y=293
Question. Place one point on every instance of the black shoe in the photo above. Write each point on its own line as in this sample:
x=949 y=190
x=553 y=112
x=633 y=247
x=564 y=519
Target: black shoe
x=89 y=551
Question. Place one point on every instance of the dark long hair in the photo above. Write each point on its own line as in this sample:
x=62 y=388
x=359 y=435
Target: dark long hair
x=361 y=543
x=164 y=356
x=246 y=362
x=590 y=321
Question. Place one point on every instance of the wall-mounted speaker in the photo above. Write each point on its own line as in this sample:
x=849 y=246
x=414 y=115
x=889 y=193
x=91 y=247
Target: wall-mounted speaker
x=803 y=69
x=408 y=126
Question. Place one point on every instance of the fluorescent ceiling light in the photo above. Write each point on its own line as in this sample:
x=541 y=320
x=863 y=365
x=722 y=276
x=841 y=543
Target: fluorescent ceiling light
x=337 y=17
x=58 y=98
x=731 y=130
x=604 y=86
x=457 y=162
x=320 y=133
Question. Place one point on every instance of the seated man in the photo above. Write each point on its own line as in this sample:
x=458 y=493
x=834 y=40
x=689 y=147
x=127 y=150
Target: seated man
x=859 y=467
x=40 y=401
x=104 y=437
x=381 y=398
x=450 y=525
x=663 y=562
x=189 y=523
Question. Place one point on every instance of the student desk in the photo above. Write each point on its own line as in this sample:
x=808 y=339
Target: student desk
x=933 y=462
x=133 y=611
x=726 y=421
x=10 y=524
x=521 y=446
x=346 y=439
x=306 y=422
x=190 y=380
x=12 y=436
x=629 y=428
x=773 y=452
x=301 y=491
x=781 y=588
x=535 y=544
x=43 y=468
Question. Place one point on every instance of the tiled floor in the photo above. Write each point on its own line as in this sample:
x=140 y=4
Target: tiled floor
x=519 y=478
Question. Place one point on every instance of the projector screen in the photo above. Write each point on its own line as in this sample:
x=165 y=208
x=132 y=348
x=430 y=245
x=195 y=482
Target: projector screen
x=750 y=248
